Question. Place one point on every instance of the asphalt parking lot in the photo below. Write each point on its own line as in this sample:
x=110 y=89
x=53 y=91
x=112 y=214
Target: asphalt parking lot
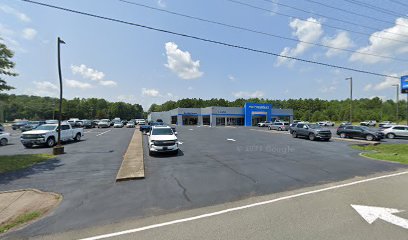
x=214 y=166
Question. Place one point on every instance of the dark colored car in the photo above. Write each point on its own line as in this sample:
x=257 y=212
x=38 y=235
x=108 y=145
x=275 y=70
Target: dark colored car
x=31 y=125
x=18 y=124
x=359 y=132
x=1 y=127
x=311 y=131
x=88 y=124
x=146 y=128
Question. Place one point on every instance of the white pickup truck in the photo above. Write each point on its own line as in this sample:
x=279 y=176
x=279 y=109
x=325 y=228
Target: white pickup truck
x=47 y=134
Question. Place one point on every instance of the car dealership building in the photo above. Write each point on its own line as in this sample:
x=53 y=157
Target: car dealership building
x=249 y=115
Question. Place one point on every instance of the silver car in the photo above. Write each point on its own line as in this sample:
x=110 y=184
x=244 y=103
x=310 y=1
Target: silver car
x=280 y=126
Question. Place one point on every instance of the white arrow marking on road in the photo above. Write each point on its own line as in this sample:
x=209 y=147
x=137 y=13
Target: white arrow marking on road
x=191 y=129
x=370 y=214
x=180 y=143
x=230 y=139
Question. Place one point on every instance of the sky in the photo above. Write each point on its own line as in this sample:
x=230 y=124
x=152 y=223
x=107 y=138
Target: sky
x=120 y=62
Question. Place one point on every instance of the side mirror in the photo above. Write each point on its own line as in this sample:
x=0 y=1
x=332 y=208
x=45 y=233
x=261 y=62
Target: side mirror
x=148 y=134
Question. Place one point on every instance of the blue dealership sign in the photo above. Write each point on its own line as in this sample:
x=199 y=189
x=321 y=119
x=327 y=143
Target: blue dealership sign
x=404 y=84
x=257 y=109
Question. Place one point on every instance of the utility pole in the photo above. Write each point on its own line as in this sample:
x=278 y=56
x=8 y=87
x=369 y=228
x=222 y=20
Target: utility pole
x=397 y=87
x=59 y=149
x=351 y=98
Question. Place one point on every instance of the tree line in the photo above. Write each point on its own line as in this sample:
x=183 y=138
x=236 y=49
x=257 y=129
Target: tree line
x=41 y=108
x=306 y=109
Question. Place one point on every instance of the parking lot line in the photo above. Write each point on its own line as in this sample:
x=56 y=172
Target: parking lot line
x=103 y=133
x=211 y=214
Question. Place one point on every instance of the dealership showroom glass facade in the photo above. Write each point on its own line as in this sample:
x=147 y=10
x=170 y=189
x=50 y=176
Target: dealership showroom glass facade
x=249 y=115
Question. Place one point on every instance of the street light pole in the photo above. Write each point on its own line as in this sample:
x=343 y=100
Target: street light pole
x=397 y=87
x=59 y=149
x=351 y=98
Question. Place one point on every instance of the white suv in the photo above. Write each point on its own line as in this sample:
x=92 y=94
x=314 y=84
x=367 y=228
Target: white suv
x=396 y=131
x=162 y=139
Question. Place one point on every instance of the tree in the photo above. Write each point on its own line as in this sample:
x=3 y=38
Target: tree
x=6 y=65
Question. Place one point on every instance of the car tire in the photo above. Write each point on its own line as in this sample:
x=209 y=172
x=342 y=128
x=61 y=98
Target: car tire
x=269 y=128
x=279 y=129
x=77 y=137
x=28 y=145
x=294 y=134
x=369 y=137
x=50 y=142
x=390 y=135
x=326 y=139
x=3 y=142
x=312 y=137
x=343 y=135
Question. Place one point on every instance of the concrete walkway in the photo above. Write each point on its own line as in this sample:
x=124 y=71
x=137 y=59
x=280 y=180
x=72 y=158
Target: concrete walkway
x=133 y=163
x=14 y=204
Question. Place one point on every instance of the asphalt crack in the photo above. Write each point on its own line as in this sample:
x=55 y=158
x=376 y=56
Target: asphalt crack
x=184 y=189
x=232 y=169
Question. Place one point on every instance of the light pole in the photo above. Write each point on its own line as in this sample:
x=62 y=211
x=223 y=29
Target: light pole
x=59 y=149
x=351 y=98
x=397 y=87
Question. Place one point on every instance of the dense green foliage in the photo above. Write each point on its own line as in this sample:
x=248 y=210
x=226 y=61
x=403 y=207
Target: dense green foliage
x=306 y=109
x=5 y=66
x=37 y=108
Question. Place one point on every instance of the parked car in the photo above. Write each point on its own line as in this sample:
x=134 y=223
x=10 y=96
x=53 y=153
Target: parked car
x=162 y=139
x=280 y=126
x=386 y=123
x=4 y=138
x=88 y=124
x=345 y=124
x=359 y=132
x=311 y=131
x=1 y=128
x=140 y=121
x=47 y=135
x=130 y=124
x=118 y=124
x=147 y=128
x=51 y=121
x=19 y=124
x=104 y=123
x=396 y=131
x=31 y=125
x=369 y=123
x=75 y=122
x=264 y=123
x=326 y=123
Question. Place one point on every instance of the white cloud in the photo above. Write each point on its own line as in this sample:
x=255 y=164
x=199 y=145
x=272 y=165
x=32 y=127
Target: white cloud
x=383 y=46
x=29 y=33
x=386 y=83
x=87 y=72
x=77 y=84
x=161 y=3
x=43 y=88
x=150 y=92
x=341 y=40
x=307 y=31
x=231 y=78
x=8 y=36
x=108 y=83
x=243 y=94
x=181 y=63
x=126 y=98
x=332 y=87
x=9 y=10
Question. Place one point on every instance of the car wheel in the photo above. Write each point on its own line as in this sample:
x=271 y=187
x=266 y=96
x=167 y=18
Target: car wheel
x=269 y=128
x=294 y=134
x=343 y=135
x=50 y=142
x=391 y=135
x=28 y=145
x=3 y=142
x=77 y=137
x=279 y=129
x=312 y=137
x=369 y=137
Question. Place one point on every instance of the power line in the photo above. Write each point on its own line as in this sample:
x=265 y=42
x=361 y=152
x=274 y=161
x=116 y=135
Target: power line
x=313 y=22
x=355 y=14
x=333 y=18
x=257 y=31
x=399 y=2
x=375 y=8
x=207 y=40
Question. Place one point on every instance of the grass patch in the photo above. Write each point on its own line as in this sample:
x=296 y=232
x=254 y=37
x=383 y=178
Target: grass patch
x=16 y=162
x=388 y=152
x=19 y=221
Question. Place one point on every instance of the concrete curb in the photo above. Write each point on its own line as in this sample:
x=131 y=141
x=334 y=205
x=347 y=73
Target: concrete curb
x=382 y=160
x=133 y=161
x=355 y=140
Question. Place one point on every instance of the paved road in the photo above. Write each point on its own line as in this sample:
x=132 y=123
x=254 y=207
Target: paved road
x=215 y=166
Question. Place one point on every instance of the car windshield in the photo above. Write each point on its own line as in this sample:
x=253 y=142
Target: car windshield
x=365 y=128
x=162 y=131
x=46 y=127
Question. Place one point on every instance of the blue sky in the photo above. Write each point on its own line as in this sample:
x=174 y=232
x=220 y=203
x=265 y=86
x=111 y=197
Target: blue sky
x=124 y=63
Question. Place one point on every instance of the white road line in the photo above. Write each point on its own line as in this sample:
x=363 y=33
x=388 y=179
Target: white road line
x=103 y=133
x=115 y=234
x=232 y=140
